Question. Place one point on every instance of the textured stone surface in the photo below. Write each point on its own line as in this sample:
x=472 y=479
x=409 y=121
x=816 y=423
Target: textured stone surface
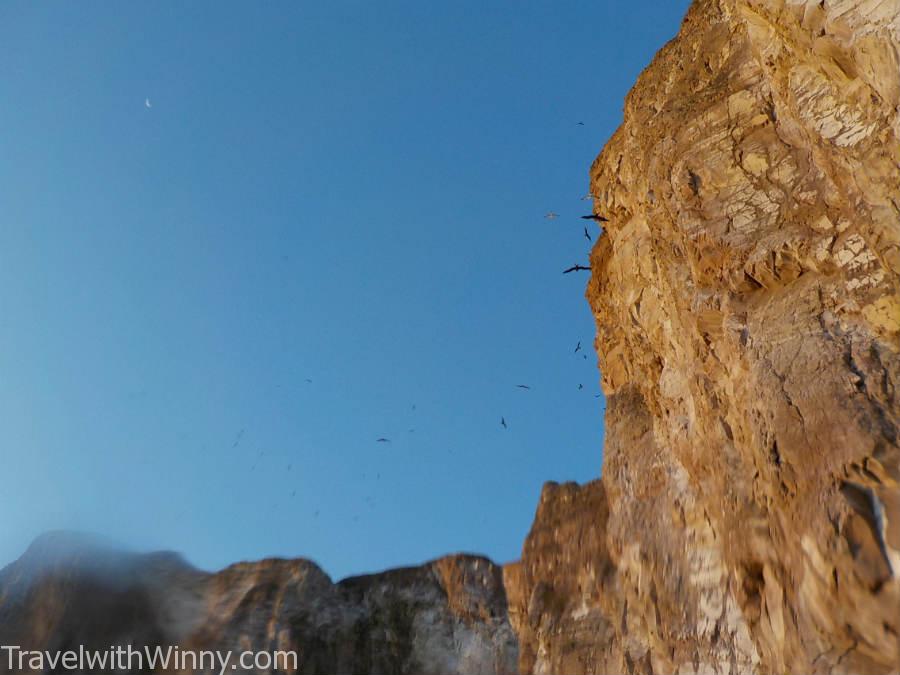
x=447 y=616
x=746 y=298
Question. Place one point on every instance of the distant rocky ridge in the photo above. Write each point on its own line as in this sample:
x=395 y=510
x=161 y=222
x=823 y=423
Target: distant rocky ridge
x=747 y=300
x=447 y=616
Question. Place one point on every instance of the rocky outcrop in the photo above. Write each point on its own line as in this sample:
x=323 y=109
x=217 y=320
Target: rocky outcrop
x=748 y=327
x=447 y=616
x=747 y=300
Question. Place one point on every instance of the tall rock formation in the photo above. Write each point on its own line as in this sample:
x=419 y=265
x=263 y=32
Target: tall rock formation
x=748 y=326
x=747 y=299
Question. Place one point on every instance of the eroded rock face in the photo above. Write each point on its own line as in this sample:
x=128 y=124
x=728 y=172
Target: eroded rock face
x=748 y=326
x=747 y=298
x=447 y=616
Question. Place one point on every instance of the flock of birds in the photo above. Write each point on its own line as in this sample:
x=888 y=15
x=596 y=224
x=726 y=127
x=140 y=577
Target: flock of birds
x=587 y=235
x=550 y=215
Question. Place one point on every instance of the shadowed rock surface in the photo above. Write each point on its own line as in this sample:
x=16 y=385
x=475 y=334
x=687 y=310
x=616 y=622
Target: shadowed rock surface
x=447 y=616
x=747 y=299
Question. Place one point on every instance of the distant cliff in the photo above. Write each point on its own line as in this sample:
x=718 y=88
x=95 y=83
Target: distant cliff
x=747 y=299
x=447 y=616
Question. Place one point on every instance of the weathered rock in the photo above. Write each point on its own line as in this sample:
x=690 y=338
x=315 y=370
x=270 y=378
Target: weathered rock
x=748 y=326
x=747 y=299
x=447 y=616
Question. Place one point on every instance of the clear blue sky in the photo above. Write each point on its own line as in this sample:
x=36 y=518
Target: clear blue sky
x=347 y=192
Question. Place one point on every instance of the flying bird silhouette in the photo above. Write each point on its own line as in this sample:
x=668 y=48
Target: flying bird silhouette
x=580 y=124
x=147 y=103
x=587 y=196
x=580 y=387
x=594 y=216
x=577 y=268
x=587 y=235
x=551 y=216
x=577 y=347
x=383 y=440
x=503 y=423
x=523 y=386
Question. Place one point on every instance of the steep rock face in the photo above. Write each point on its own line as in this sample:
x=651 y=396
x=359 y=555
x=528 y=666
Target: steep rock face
x=747 y=298
x=748 y=326
x=447 y=616
x=559 y=592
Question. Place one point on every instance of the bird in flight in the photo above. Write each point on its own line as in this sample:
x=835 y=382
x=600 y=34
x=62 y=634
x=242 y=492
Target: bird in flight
x=594 y=216
x=383 y=440
x=580 y=387
x=147 y=103
x=580 y=124
x=577 y=347
x=523 y=386
x=587 y=235
x=577 y=268
x=503 y=423
x=551 y=216
x=587 y=196
x=237 y=439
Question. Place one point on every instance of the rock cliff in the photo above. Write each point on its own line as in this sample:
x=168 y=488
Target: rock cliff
x=748 y=327
x=747 y=299
x=447 y=616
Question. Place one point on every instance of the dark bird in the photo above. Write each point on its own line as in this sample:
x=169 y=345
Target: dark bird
x=580 y=386
x=503 y=423
x=577 y=347
x=594 y=216
x=577 y=268
x=238 y=438
x=383 y=440
x=308 y=381
x=522 y=386
x=587 y=235
x=580 y=124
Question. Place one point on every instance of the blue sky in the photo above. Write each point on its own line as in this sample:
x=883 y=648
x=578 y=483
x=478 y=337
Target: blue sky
x=350 y=193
